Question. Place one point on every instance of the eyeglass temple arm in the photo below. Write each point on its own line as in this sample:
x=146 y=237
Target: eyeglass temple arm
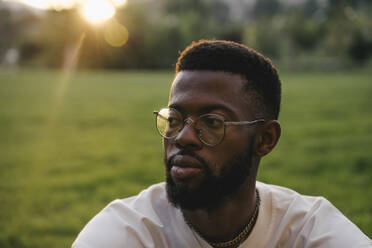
x=157 y=113
x=233 y=123
x=238 y=123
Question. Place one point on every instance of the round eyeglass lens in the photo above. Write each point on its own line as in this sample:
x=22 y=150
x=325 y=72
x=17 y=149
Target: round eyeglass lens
x=211 y=128
x=168 y=122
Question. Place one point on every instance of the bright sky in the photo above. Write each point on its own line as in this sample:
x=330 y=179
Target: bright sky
x=95 y=11
x=65 y=4
x=98 y=11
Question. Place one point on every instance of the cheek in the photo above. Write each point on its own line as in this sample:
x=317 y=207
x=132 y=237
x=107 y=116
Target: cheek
x=234 y=145
x=237 y=140
x=167 y=146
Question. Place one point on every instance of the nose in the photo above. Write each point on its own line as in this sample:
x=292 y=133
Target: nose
x=188 y=136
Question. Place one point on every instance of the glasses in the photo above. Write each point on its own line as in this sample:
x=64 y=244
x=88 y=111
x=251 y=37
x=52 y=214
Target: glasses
x=210 y=128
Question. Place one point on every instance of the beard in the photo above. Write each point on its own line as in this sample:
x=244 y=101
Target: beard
x=213 y=190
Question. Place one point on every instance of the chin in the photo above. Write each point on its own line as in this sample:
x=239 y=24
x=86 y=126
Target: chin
x=184 y=196
x=209 y=191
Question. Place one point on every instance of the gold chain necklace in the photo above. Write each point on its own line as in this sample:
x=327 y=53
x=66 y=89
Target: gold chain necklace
x=243 y=235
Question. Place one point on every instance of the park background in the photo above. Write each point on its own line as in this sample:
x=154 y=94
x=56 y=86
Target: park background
x=78 y=87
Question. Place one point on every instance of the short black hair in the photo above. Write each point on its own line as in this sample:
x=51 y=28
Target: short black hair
x=262 y=80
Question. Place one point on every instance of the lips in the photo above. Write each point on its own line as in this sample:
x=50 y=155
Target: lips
x=186 y=161
x=185 y=166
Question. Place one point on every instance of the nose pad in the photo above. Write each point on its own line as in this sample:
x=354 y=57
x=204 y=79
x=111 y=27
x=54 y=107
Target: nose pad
x=188 y=135
x=188 y=121
x=199 y=132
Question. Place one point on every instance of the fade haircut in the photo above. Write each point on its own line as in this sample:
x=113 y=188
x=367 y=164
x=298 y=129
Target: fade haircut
x=262 y=84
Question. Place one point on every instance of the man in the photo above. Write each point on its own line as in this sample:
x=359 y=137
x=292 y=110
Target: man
x=220 y=121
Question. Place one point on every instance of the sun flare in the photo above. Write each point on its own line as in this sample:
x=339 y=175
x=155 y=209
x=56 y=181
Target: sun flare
x=98 y=11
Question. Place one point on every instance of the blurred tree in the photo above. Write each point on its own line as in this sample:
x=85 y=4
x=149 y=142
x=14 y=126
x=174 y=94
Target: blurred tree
x=349 y=30
x=267 y=41
x=156 y=39
x=360 y=48
x=52 y=38
x=339 y=29
x=266 y=9
x=15 y=30
x=303 y=32
x=310 y=7
x=7 y=29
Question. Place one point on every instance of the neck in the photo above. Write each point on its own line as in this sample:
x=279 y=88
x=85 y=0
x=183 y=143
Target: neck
x=227 y=220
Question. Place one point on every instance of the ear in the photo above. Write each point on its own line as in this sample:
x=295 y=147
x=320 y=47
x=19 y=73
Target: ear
x=267 y=137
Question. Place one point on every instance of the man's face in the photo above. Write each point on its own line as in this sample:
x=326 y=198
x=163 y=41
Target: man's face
x=200 y=176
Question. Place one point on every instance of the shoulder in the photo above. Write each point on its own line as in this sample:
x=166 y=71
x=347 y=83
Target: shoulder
x=131 y=222
x=304 y=221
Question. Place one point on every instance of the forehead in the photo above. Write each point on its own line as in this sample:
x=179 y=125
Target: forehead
x=199 y=91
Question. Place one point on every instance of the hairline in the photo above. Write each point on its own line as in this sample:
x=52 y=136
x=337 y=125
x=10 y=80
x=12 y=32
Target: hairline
x=266 y=95
x=248 y=94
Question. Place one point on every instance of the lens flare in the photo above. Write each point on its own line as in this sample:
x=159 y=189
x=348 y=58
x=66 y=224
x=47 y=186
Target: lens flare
x=119 y=3
x=116 y=34
x=98 y=11
x=38 y=4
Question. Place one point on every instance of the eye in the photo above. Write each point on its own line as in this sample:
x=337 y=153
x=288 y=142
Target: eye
x=213 y=122
x=173 y=121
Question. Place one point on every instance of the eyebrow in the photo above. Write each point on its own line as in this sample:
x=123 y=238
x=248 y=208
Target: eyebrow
x=206 y=109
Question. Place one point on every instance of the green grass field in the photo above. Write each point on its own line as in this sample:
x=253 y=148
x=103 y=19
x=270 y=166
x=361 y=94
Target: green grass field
x=71 y=144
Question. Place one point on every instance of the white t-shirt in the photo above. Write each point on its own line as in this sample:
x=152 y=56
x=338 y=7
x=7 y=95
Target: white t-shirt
x=286 y=219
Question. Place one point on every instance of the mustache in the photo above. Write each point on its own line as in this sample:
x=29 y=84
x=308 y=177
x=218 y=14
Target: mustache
x=169 y=161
